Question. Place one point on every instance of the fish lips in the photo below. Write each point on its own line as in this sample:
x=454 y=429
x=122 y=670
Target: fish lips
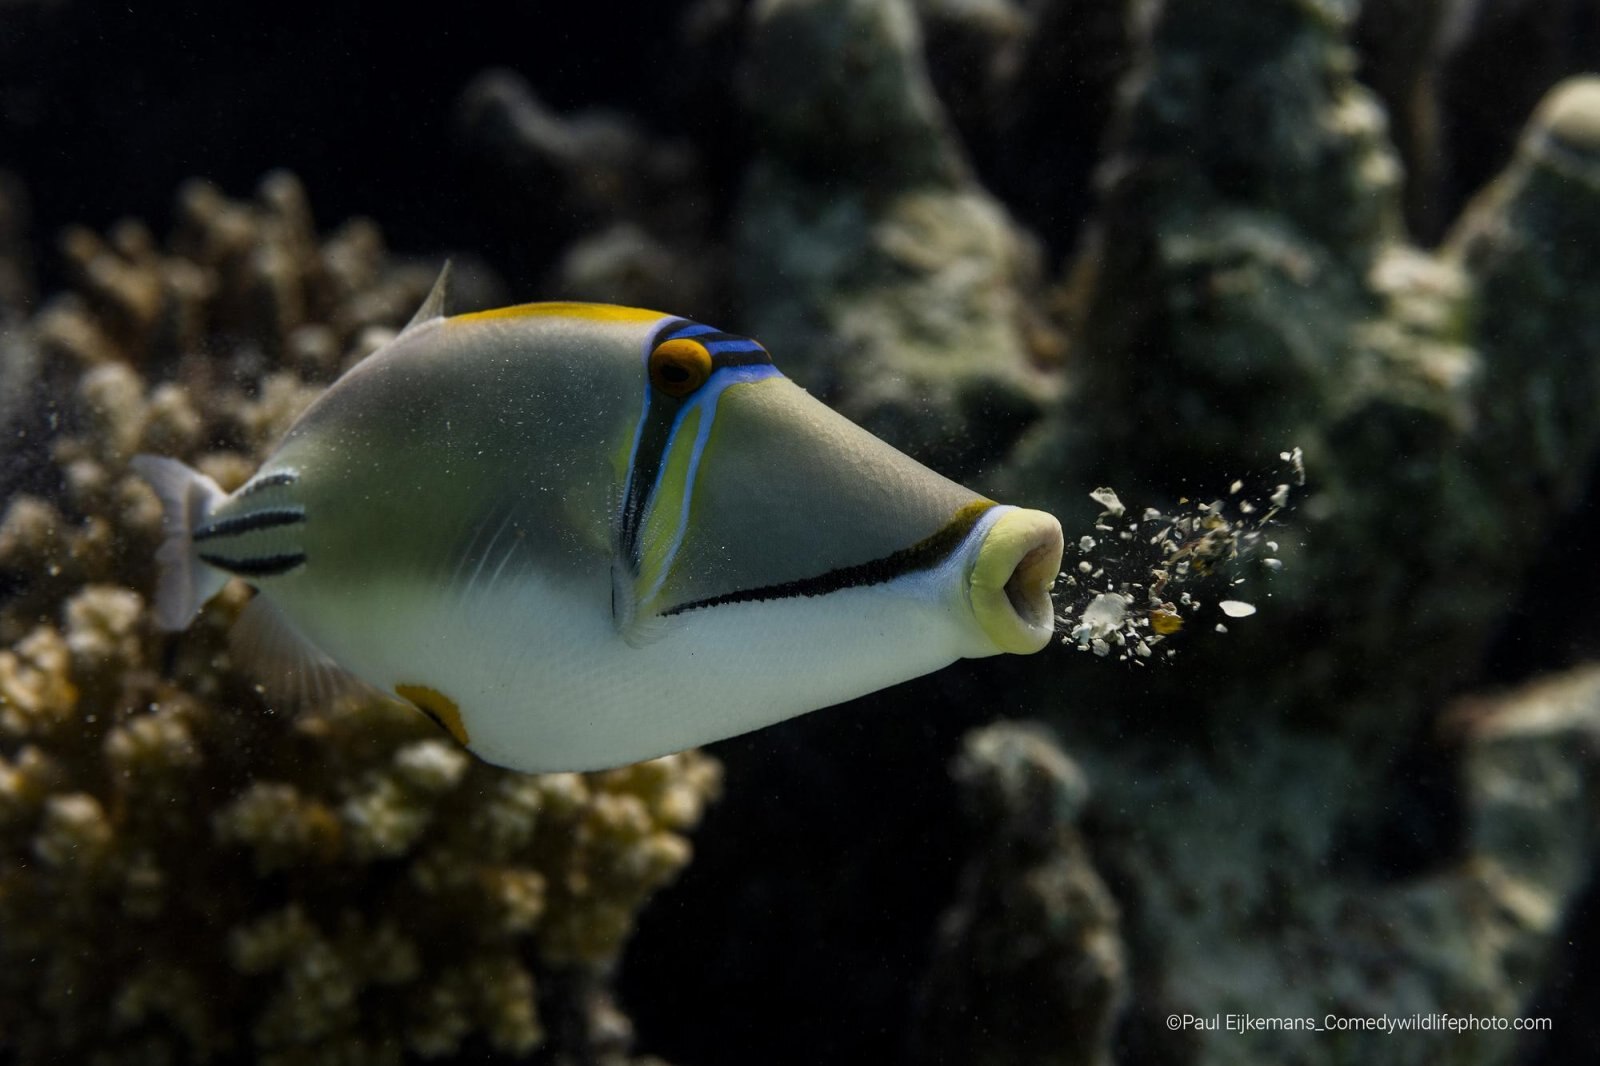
x=1010 y=578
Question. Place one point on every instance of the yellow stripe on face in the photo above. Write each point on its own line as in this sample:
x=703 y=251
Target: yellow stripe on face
x=667 y=514
x=587 y=312
x=436 y=705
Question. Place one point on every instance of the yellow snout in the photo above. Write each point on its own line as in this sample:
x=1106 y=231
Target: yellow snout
x=1011 y=578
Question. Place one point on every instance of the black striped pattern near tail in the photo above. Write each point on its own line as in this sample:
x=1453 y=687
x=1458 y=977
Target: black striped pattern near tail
x=259 y=566
x=270 y=518
x=221 y=535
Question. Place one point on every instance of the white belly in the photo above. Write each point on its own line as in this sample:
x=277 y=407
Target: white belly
x=544 y=682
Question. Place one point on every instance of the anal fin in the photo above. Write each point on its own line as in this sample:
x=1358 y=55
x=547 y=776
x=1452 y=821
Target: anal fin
x=291 y=669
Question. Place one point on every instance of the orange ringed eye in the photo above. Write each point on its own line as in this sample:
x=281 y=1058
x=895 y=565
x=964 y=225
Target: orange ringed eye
x=678 y=367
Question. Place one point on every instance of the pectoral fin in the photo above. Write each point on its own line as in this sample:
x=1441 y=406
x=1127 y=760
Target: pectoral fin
x=637 y=627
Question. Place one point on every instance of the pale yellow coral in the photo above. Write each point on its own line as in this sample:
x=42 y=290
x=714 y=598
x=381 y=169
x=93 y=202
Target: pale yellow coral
x=74 y=831
x=117 y=280
x=26 y=781
x=111 y=396
x=281 y=398
x=30 y=534
x=383 y=819
x=36 y=693
x=157 y=742
x=103 y=628
x=431 y=765
x=171 y=424
x=494 y=992
x=282 y=827
x=503 y=823
x=615 y=835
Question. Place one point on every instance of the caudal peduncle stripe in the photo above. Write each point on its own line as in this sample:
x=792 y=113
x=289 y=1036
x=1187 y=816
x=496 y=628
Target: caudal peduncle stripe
x=268 y=481
x=923 y=555
x=260 y=566
x=250 y=523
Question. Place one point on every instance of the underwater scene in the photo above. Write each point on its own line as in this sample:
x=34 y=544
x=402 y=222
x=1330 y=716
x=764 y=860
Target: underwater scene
x=797 y=532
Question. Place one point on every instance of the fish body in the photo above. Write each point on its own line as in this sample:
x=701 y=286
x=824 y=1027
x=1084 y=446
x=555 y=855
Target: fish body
x=581 y=535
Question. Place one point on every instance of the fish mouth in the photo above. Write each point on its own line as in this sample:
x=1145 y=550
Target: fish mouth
x=1009 y=585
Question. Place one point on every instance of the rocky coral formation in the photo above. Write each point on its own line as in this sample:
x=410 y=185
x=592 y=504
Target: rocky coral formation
x=1450 y=121
x=186 y=876
x=1255 y=293
x=1259 y=298
x=1536 y=316
x=892 y=284
x=1030 y=965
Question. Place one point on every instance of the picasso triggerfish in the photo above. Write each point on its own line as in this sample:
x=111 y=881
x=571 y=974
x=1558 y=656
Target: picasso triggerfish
x=579 y=535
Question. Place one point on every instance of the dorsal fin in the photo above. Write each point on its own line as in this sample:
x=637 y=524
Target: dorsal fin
x=433 y=306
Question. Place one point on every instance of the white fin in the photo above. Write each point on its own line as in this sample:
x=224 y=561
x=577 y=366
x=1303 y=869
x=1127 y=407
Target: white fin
x=187 y=499
x=293 y=672
x=433 y=306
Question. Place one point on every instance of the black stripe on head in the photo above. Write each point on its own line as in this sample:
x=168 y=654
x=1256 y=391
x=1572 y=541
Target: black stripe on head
x=923 y=555
x=757 y=356
x=667 y=331
x=647 y=459
x=271 y=518
x=259 y=566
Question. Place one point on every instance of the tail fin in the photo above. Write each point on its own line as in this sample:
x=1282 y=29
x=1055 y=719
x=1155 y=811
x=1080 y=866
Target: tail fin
x=187 y=499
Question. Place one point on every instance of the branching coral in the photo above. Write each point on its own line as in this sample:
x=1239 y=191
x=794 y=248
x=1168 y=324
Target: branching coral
x=185 y=876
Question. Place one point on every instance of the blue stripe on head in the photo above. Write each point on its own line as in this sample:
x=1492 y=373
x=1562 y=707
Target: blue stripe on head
x=715 y=340
x=733 y=344
x=691 y=329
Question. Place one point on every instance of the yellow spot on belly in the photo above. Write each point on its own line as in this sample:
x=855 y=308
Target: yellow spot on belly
x=436 y=705
x=587 y=312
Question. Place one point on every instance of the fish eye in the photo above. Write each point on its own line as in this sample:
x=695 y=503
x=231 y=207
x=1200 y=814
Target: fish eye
x=678 y=367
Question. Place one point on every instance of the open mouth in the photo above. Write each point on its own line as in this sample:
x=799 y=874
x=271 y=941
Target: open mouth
x=1011 y=578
